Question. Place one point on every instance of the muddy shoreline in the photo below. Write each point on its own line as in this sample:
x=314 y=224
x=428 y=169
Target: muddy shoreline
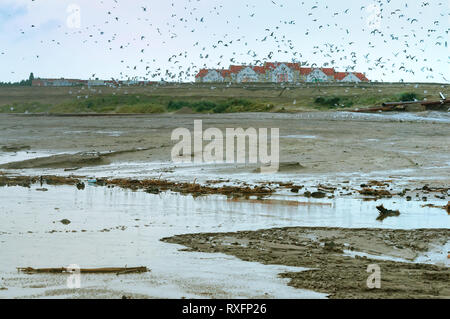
x=336 y=168
x=321 y=142
x=260 y=192
x=332 y=271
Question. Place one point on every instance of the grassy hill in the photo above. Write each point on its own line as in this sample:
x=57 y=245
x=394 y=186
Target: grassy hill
x=210 y=98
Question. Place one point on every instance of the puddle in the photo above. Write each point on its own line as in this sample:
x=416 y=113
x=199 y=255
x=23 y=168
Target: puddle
x=376 y=257
x=300 y=136
x=121 y=228
x=110 y=133
x=204 y=172
x=7 y=157
x=117 y=227
x=432 y=116
x=427 y=116
x=437 y=255
x=76 y=132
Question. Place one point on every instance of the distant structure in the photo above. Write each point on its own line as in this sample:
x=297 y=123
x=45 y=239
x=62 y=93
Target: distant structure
x=57 y=82
x=270 y=72
x=277 y=72
x=77 y=82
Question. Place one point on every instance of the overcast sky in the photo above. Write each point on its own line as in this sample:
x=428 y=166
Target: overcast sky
x=388 y=40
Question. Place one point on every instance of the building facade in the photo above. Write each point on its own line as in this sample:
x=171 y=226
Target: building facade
x=277 y=72
x=57 y=82
x=351 y=77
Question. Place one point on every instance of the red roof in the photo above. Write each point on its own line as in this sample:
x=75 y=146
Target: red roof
x=273 y=65
x=259 y=69
x=202 y=73
x=305 y=71
x=236 y=68
x=294 y=66
x=328 y=71
x=340 y=75
x=361 y=76
x=269 y=65
x=225 y=73
x=222 y=72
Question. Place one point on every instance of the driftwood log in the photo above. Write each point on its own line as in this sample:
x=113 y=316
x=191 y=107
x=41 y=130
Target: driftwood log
x=109 y=270
x=400 y=106
x=386 y=212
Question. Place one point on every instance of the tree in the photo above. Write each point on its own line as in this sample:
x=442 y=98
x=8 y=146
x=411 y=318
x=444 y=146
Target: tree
x=30 y=79
x=21 y=83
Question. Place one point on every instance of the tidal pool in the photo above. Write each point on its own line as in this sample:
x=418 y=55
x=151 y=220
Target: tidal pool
x=116 y=227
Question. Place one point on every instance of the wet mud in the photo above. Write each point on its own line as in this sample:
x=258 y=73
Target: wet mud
x=332 y=270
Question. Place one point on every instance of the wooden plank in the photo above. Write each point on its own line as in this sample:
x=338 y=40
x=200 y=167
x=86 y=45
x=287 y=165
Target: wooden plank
x=108 y=270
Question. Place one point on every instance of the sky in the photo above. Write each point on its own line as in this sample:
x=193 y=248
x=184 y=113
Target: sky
x=389 y=40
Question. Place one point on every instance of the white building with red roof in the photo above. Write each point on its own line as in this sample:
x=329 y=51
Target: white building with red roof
x=209 y=75
x=277 y=72
x=282 y=72
x=350 y=77
x=320 y=75
x=246 y=74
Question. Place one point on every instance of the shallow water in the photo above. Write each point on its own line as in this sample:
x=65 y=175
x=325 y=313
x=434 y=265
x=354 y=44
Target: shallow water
x=28 y=216
x=204 y=172
x=426 y=116
x=7 y=157
x=122 y=227
x=300 y=136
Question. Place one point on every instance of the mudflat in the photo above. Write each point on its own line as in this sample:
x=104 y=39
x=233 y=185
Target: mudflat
x=338 y=259
x=321 y=142
x=336 y=168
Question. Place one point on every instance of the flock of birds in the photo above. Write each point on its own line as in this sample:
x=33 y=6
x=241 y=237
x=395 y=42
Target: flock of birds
x=394 y=42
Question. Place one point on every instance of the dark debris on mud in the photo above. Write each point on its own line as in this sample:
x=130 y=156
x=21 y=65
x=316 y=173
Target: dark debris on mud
x=372 y=190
